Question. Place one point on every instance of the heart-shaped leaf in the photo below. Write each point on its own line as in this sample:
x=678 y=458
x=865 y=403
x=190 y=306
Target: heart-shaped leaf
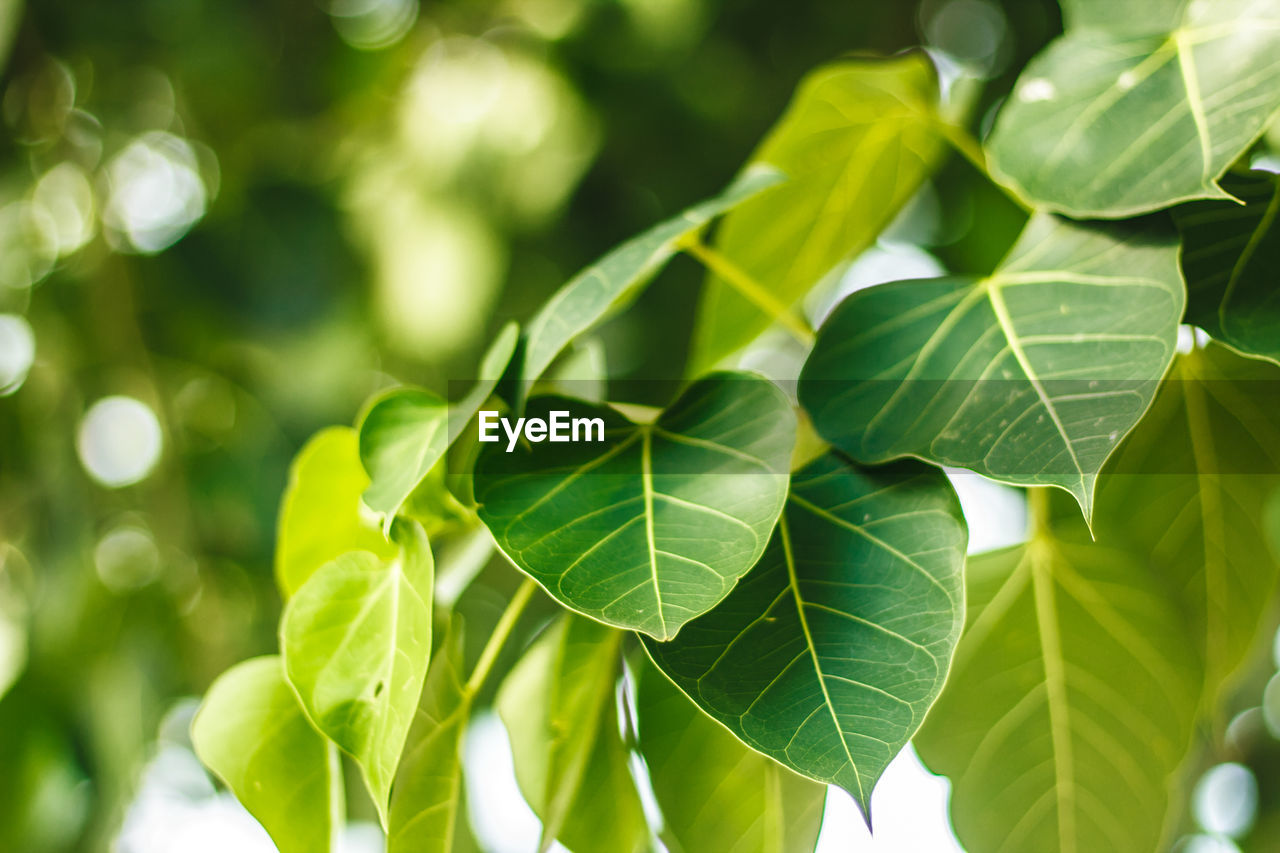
x=654 y=525
x=427 y=800
x=1031 y=376
x=715 y=793
x=1070 y=703
x=320 y=514
x=857 y=141
x=1230 y=253
x=603 y=286
x=828 y=654
x=251 y=732
x=559 y=707
x=356 y=638
x=1109 y=123
x=406 y=431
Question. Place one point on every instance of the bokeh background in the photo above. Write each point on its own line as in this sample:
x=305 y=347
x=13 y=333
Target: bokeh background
x=225 y=223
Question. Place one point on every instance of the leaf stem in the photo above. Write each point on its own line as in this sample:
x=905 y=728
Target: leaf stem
x=749 y=288
x=499 y=637
x=1038 y=508
x=963 y=143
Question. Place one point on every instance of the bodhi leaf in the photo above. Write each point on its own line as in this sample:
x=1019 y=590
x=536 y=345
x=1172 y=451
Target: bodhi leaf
x=252 y=734
x=601 y=287
x=320 y=515
x=559 y=708
x=857 y=141
x=715 y=793
x=406 y=431
x=1109 y=123
x=355 y=640
x=1030 y=376
x=1188 y=493
x=656 y=524
x=828 y=654
x=427 y=800
x=1070 y=704
x=1230 y=253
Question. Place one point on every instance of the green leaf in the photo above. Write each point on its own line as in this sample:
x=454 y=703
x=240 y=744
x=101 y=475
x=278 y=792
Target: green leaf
x=406 y=430
x=355 y=640
x=427 y=800
x=827 y=656
x=656 y=524
x=559 y=707
x=603 y=286
x=716 y=794
x=1030 y=376
x=1070 y=703
x=857 y=141
x=251 y=732
x=1127 y=16
x=1111 y=124
x=1229 y=254
x=1187 y=495
x=320 y=514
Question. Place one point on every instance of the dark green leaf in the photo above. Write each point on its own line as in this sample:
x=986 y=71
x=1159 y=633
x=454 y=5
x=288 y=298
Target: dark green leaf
x=355 y=640
x=601 y=287
x=1230 y=254
x=828 y=654
x=1108 y=123
x=251 y=732
x=656 y=524
x=857 y=141
x=320 y=515
x=715 y=793
x=1032 y=375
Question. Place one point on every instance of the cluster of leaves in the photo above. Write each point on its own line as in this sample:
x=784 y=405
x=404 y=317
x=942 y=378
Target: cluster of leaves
x=779 y=584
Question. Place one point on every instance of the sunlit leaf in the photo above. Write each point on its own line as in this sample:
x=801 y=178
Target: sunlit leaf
x=1188 y=495
x=1032 y=375
x=427 y=800
x=251 y=732
x=559 y=708
x=1109 y=123
x=590 y=295
x=828 y=654
x=355 y=640
x=1127 y=16
x=1230 y=254
x=1071 y=709
x=406 y=431
x=656 y=524
x=715 y=793
x=320 y=515
x=856 y=143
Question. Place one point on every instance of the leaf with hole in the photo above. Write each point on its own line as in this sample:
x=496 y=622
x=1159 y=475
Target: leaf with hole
x=1117 y=122
x=656 y=524
x=251 y=732
x=602 y=287
x=1031 y=376
x=714 y=792
x=320 y=515
x=857 y=141
x=355 y=639
x=828 y=654
x=1229 y=254
x=559 y=706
